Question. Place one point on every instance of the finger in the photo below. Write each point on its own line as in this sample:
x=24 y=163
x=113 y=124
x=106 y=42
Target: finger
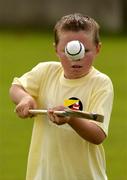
x=51 y=117
x=22 y=112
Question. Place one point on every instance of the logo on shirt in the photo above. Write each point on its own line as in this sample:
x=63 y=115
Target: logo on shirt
x=73 y=103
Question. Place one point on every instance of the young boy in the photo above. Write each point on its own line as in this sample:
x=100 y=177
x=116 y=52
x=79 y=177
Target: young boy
x=67 y=148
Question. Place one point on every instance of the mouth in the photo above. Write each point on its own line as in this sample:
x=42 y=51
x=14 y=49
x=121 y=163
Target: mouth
x=76 y=66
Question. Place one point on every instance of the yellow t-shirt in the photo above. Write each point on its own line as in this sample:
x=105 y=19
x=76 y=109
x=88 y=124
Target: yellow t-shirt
x=58 y=152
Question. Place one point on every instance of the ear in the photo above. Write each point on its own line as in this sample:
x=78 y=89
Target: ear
x=54 y=45
x=98 y=47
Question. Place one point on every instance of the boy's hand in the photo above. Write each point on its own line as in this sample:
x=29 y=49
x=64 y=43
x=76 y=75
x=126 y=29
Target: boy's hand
x=22 y=109
x=57 y=119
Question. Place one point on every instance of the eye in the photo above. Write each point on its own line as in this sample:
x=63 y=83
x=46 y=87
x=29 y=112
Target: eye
x=87 y=50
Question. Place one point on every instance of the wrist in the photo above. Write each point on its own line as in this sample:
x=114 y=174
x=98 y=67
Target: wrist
x=70 y=120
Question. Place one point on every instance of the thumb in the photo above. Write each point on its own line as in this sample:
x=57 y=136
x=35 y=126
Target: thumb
x=33 y=105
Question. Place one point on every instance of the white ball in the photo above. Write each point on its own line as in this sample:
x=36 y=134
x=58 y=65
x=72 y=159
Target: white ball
x=75 y=50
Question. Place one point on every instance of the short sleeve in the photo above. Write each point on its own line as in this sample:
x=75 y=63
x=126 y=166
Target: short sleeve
x=102 y=101
x=30 y=81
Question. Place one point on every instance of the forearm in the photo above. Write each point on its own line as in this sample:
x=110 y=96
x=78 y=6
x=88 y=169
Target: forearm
x=23 y=101
x=17 y=93
x=88 y=130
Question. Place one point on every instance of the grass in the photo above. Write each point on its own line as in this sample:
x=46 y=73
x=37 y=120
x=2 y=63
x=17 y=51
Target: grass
x=19 y=52
x=113 y=62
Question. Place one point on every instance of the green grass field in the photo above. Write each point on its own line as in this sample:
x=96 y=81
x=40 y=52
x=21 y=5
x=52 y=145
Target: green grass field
x=19 y=52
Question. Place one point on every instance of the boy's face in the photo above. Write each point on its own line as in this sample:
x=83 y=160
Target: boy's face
x=76 y=69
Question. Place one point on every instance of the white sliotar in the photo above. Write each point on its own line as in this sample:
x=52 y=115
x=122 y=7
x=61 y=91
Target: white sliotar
x=75 y=50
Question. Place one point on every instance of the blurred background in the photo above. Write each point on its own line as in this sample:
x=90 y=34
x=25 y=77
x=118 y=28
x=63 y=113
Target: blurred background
x=111 y=14
x=26 y=38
